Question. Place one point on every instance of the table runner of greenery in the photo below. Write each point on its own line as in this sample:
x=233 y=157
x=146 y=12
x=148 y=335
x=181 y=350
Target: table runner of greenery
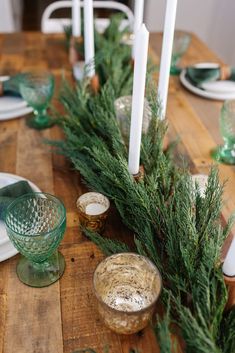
x=173 y=224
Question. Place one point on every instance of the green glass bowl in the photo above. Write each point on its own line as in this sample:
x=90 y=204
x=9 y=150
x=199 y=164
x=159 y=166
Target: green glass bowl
x=35 y=224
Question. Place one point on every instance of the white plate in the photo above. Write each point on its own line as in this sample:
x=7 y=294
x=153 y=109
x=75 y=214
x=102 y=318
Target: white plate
x=7 y=249
x=8 y=103
x=15 y=113
x=211 y=94
x=225 y=87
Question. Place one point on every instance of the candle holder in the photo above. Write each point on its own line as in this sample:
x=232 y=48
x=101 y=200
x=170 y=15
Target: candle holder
x=123 y=114
x=230 y=283
x=95 y=84
x=128 y=39
x=127 y=287
x=201 y=180
x=93 y=210
x=139 y=176
x=78 y=70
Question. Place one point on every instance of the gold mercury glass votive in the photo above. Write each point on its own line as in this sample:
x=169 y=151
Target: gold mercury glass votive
x=201 y=180
x=93 y=210
x=123 y=114
x=127 y=287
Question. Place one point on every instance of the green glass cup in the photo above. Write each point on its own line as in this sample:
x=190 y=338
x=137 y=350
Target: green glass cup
x=35 y=224
x=37 y=90
x=180 y=45
x=226 y=153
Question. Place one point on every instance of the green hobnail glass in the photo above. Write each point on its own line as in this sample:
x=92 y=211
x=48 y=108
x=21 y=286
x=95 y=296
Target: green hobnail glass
x=37 y=90
x=180 y=45
x=35 y=224
x=226 y=153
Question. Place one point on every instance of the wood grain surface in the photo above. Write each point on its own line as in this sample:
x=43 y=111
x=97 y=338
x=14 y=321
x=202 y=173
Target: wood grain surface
x=62 y=318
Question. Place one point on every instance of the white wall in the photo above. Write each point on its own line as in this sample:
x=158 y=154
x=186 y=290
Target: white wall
x=212 y=20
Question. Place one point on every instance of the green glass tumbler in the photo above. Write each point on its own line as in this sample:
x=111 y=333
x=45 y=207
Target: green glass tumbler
x=37 y=90
x=180 y=45
x=35 y=224
x=226 y=153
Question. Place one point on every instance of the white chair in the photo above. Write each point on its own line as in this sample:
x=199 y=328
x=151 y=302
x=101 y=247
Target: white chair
x=56 y=25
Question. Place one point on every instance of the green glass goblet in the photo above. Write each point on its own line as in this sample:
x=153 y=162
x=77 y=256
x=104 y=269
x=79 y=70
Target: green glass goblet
x=180 y=45
x=37 y=90
x=36 y=224
x=226 y=153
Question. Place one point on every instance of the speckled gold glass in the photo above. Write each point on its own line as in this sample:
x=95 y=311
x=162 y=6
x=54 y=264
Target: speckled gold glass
x=93 y=210
x=127 y=287
x=123 y=114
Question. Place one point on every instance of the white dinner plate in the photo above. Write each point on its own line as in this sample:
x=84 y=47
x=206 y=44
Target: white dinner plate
x=7 y=249
x=12 y=107
x=15 y=113
x=213 y=93
x=225 y=86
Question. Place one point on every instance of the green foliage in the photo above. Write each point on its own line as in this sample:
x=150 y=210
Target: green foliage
x=173 y=224
x=163 y=332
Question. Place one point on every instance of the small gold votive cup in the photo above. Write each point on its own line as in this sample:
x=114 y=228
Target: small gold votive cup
x=127 y=287
x=93 y=210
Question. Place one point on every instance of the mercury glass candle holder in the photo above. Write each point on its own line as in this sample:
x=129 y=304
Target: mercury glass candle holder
x=226 y=152
x=128 y=38
x=201 y=180
x=127 y=287
x=35 y=224
x=93 y=210
x=123 y=114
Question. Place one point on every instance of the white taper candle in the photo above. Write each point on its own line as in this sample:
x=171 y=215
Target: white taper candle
x=76 y=18
x=89 y=37
x=167 y=44
x=138 y=20
x=140 y=67
x=229 y=262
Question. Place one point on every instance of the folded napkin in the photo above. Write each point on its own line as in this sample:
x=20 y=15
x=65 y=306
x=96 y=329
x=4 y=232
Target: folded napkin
x=11 y=192
x=12 y=85
x=198 y=75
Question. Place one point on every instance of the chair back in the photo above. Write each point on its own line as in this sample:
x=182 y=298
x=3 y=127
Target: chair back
x=56 y=25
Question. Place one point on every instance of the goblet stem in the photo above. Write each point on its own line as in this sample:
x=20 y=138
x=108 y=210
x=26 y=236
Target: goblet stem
x=41 y=120
x=41 y=274
x=40 y=115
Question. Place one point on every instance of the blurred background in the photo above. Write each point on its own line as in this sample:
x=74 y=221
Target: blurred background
x=212 y=20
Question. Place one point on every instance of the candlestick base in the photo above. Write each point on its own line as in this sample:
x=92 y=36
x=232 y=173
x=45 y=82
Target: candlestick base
x=139 y=176
x=78 y=70
x=230 y=283
x=73 y=52
x=95 y=84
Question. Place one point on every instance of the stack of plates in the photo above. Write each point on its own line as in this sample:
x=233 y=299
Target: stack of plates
x=12 y=107
x=7 y=249
x=218 y=90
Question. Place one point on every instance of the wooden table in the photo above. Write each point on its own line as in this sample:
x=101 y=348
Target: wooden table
x=62 y=318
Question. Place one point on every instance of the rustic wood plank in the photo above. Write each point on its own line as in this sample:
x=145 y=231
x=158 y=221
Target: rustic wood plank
x=33 y=317
x=32 y=324
x=82 y=327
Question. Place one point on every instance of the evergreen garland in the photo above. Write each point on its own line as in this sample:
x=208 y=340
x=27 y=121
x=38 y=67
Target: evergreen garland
x=173 y=224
